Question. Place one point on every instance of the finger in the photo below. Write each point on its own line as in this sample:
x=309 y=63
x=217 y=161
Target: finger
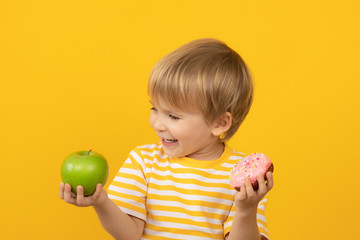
x=98 y=191
x=270 y=180
x=61 y=190
x=249 y=188
x=80 y=199
x=241 y=195
x=262 y=185
x=67 y=194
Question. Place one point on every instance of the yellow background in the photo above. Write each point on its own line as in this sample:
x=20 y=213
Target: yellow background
x=73 y=77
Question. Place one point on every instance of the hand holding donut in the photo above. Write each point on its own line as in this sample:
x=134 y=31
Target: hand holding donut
x=252 y=177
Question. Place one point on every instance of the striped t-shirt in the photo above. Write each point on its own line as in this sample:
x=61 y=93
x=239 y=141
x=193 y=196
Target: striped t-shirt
x=179 y=198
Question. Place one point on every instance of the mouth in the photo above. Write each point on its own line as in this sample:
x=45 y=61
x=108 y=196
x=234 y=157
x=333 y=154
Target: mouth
x=168 y=141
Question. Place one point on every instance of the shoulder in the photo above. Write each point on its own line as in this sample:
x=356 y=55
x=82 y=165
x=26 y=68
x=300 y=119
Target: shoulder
x=141 y=157
x=150 y=150
x=147 y=153
x=234 y=156
x=150 y=147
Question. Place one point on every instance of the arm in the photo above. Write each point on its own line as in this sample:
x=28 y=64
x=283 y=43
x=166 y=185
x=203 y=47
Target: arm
x=244 y=226
x=117 y=223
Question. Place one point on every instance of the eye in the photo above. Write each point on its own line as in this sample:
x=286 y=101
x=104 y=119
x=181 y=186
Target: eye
x=173 y=117
x=153 y=109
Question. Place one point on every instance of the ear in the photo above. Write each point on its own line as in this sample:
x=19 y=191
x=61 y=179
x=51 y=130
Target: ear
x=222 y=124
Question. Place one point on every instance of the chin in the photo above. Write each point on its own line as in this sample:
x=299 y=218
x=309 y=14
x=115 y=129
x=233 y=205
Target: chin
x=172 y=155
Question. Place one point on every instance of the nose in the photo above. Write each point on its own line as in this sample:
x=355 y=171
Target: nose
x=157 y=123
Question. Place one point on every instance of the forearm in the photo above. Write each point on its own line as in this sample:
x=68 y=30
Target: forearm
x=116 y=222
x=244 y=227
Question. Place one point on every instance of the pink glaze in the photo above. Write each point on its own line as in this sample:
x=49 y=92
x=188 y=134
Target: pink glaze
x=250 y=166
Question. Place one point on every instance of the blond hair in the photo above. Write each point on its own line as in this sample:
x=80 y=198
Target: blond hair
x=207 y=76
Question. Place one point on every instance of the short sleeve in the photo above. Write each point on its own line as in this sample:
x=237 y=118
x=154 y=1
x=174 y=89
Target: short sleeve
x=128 y=189
x=260 y=218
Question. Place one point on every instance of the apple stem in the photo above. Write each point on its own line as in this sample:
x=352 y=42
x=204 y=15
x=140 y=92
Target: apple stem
x=89 y=152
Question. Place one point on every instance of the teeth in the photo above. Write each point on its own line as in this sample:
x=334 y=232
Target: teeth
x=170 y=140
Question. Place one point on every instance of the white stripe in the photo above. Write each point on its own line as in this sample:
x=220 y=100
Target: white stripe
x=188 y=207
x=211 y=171
x=133 y=213
x=185 y=216
x=236 y=157
x=262 y=226
x=175 y=236
x=179 y=166
x=262 y=207
x=190 y=196
x=261 y=217
x=267 y=237
x=232 y=214
x=227 y=224
x=153 y=154
x=264 y=200
x=126 y=191
x=138 y=159
x=130 y=181
x=238 y=152
x=228 y=165
x=149 y=146
x=191 y=176
x=130 y=171
x=192 y=186
x=184 y=226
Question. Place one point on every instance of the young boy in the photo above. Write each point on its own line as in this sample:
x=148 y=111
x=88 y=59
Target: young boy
x=179 y=188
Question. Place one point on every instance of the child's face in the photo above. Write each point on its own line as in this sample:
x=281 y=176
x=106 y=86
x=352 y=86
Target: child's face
x=184 y=134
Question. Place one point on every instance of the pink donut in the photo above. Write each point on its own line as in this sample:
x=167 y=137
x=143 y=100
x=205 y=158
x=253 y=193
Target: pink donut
x=250 y=166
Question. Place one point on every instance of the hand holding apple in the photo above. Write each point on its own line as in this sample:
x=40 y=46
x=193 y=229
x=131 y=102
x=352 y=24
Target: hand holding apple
x=97 y=199
x=86 y=169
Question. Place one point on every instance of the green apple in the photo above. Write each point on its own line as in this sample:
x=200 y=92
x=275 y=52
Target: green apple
x=85 y=168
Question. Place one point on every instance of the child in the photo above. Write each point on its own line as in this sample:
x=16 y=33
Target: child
x=179 y=188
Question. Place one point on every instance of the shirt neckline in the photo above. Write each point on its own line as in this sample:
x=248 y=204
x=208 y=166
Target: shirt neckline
x=190 y=162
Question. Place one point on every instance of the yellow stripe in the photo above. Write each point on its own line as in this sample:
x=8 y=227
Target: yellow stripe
x=158 y=237
x=189 y=212
x=127 y=196
x=184 y=221
x=191 y=171
x=183 y=231
x=224 y=169
x=128 y=165
x=262 y=230
x=148 y=165
x=135 y=163
x=261 y=212
x=262 y=222
x=191 y=191
x=128 y=186
x=227 y=230
x=156 y=147
x=189 y=202
x=191 y=181
x=130 y=206
x=132 y=177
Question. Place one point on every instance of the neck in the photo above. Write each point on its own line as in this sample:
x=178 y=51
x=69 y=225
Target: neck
x=212 y=152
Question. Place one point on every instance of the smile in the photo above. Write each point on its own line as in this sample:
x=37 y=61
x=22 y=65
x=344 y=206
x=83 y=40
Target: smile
x=169 y=140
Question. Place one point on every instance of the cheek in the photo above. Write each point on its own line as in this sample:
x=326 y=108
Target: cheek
x=151 y=119
x=186 y=134
x=199 y=132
